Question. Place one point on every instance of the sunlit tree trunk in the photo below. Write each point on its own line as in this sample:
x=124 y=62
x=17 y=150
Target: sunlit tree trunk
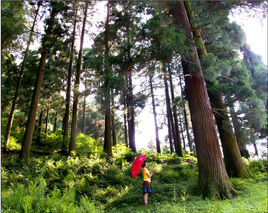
x=131 y=115
x=155 y=116
x=213 y=178
x=177 y=132
x=113 y=121
x=65 y=124
x=14 y=102
x=76 y=87
x=46 y=46
x=182 y=136
x=125 y=119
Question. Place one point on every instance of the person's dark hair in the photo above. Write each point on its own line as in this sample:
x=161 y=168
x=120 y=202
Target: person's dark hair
x=144 y=164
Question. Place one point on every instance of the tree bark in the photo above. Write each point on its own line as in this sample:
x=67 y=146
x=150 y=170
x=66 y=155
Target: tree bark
x=113 y=121
x=155 y=116
x=27 y=140
x=238 y=134
x=186 y=120
x=55 y=123
x=107 y=95
x=213 y=178
x=255 y=148
x=125 y=120
x=65 y=125
x=14 y=102
x=84 y=116
x=76 y=87
x=177 y=132
x=232 y=157
x=39 y=128
x=170 y=116
x=47 y=120
x=131 y=115
x=182 y=136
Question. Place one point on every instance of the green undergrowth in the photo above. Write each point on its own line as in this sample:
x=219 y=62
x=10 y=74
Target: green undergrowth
x=89 y=181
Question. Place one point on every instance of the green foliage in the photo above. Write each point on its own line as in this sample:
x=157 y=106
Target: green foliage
x=89 y=182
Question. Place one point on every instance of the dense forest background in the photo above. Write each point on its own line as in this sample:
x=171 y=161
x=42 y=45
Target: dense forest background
x=76 y=76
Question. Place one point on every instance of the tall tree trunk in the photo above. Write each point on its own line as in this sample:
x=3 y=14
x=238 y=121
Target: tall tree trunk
x=238 y=134
x=155 y=116
x=76 y=87
x=14 y=102
x=182 y=136
x=170 y=136
x=186 y=119
x=113 y=121
x=131 y=114
x=170 y=116
x=47 y=120
x=213 y=178
x=65 y=124
x=232 y=157
x=46 y=46
x=125 y=120
x=39 y=128
x=55 y=123
x=255 y=148
x=107 y=95
x=177 y=132
x=84 y=116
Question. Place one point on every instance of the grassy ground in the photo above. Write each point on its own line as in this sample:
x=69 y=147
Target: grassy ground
x=88 y=182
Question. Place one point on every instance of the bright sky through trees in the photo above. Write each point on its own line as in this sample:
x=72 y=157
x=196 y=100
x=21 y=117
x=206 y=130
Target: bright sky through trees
x=254 y=25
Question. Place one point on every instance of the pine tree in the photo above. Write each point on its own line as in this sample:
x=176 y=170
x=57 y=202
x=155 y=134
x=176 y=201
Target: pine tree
x=213 y=178
x=76 y=85
x=53 y=31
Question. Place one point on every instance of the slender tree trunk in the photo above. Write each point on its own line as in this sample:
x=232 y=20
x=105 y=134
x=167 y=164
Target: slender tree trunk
x=65 y=124
x=84 y=116
x=125 y=120
x=155 y=116
x=183 y=140
x=232 y=157
x=55 y=123
x=47 y=120
x=177 y=132
x=169 y=112
x=47 y=43
x=113 y=121
x=14 y=102
x=255 y=147
x=107 y=95
x=170 y=136
x=131 y=115
x=213 y=178
x=76 y=87
x=39 y=128
x=237 y=128
x=186 y=120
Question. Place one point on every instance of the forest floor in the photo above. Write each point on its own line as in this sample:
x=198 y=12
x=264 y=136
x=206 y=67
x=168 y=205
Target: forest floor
x=89 y=182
